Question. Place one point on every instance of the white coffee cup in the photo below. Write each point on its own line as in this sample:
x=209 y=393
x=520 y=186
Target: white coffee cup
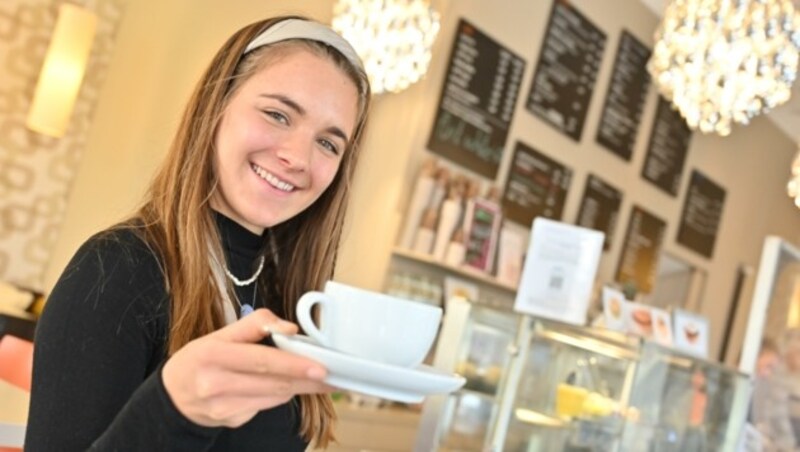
x=370 y=325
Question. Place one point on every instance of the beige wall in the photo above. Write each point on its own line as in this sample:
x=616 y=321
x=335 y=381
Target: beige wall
x=36 y=171
x=162 y=46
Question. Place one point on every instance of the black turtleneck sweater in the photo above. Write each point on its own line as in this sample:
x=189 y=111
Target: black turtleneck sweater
x=100 y=347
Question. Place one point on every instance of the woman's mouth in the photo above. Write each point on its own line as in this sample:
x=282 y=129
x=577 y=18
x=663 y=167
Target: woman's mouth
x=272 y=179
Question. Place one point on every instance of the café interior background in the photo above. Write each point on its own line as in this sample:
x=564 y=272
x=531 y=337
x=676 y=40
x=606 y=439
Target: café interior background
x=55 y=193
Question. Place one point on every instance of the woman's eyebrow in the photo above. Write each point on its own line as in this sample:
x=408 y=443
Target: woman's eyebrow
x=286 y=100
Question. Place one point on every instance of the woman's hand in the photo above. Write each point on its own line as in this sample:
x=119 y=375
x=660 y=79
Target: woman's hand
x=226 y=377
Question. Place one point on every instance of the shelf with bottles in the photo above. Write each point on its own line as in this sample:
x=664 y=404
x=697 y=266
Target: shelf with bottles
x=454 y=220
x=470 y=273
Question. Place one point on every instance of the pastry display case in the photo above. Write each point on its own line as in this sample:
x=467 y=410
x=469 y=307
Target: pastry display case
x=567 y=391
x=535 y=385
x=474 y=342
x=681 y=402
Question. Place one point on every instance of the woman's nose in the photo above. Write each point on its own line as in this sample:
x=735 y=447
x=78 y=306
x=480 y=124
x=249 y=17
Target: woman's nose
x=295 y=153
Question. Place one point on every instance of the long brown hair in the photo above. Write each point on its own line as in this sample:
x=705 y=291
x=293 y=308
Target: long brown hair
x=177 y=221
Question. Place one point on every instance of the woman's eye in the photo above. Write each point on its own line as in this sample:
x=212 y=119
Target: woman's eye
x=277 y=116
x=327 y=144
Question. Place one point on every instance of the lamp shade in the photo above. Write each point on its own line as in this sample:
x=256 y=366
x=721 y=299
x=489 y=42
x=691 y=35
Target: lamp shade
x=62 y=71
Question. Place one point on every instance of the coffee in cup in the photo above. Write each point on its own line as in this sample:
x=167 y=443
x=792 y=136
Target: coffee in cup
x=370 y=325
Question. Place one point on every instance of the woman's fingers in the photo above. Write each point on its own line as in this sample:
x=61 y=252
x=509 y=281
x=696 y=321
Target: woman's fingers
x=260 y=359
x=236 y=411
x=225 y=377
x=254 y=327
x=246 y=385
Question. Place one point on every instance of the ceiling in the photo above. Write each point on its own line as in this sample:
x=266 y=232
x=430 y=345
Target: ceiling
x=786 y=116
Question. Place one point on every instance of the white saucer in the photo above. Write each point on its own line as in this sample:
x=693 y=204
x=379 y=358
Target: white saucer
x=402 y=384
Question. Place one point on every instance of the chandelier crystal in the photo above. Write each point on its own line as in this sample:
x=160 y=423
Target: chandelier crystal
x=725 y=61
x=392 y=37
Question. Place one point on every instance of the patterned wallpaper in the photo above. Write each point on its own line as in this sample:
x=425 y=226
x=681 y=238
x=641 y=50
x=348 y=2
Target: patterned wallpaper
x=36 y=171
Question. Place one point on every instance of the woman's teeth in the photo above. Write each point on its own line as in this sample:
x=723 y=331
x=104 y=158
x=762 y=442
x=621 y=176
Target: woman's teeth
x=274 y=181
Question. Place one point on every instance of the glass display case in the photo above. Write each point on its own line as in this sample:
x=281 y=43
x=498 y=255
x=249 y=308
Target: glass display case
x=569 y=391
x=474 y=342
x=535 y=385
x=680 y=402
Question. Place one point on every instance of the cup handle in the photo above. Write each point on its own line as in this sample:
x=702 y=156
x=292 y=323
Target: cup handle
x=304 y=307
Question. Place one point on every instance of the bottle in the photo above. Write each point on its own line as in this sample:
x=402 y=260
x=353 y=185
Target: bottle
x=424 y=239
x=420 y=198
x=439 y=188
x=472 y=190
x=449 y=217
x=456 y=249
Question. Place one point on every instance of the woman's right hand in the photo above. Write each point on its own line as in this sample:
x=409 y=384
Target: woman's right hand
x=224 y=378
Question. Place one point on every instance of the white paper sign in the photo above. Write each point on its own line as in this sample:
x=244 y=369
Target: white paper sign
x=614 y=309
x=690 y=332
x=559 y=271
x=662 y=326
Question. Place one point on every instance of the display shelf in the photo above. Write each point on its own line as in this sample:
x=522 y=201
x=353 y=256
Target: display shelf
x=467 y=272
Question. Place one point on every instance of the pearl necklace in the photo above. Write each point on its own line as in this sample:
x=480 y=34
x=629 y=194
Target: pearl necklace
x=238 y=282
x=245 y=308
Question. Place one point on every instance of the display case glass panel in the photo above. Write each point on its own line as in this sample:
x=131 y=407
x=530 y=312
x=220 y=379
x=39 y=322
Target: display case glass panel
x=482 y=358
x=571 y=390
x=683 y=403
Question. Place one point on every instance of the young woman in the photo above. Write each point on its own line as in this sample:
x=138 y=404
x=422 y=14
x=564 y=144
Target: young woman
x=156 y=337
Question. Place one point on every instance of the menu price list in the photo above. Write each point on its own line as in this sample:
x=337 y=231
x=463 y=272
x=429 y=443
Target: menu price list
x=567 y=70
x=640 y=252
x=536 y=186
x=666 y=153
x=627 y=91
x=477 y=102
x=600 y=208
x=702 y=213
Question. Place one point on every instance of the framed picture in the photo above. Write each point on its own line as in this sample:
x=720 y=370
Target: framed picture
x=690 y=332
x=481 y=242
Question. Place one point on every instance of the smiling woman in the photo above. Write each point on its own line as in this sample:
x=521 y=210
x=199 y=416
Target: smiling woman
x=140 y=346
x=280 y=143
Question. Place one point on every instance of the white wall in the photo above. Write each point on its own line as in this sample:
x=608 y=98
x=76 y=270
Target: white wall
x=162 y=47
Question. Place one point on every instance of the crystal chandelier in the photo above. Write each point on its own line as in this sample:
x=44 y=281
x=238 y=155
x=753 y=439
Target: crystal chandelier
x=392 y=37
x=724 y=61
x=793 y=188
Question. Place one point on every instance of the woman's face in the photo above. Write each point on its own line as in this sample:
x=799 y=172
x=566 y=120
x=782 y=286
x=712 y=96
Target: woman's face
x=281 y=139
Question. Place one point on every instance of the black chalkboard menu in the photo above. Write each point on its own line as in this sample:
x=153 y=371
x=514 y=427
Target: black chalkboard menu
x=562 y=85
x=702 y=212
x=627 y=91
x=638 y=264
x=666 y=153
x=600 y=207
x=477 y=102
x=536 y=186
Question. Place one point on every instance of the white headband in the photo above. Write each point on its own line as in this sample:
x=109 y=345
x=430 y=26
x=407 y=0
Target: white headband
x=305 y=29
